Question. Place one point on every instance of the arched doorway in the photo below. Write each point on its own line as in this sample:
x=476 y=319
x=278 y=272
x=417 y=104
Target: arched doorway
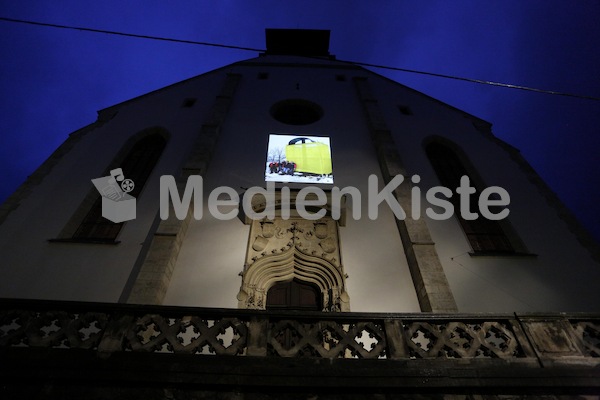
x=302 y=254
x=294 y=295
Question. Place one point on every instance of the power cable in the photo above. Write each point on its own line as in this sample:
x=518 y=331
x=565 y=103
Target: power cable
x=79 y=28
x=483 y=82
x=478 y=81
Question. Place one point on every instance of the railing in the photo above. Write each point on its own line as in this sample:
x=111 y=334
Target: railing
x=535 y=339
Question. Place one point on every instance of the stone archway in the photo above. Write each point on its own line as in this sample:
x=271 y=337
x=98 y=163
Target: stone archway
x=281 y=250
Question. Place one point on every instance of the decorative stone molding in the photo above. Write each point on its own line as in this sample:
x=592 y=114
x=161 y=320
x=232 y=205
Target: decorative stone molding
x=281 y=250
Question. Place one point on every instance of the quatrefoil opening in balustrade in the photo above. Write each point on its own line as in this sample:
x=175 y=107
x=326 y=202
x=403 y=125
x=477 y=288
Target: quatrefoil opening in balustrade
x=90 y=331
x=423 y=340
x=460 y=342
x=50 y=332
x=8 y=326
x=368 y=339
x=228 y=336
x=12 y=332
x=498 y=339
x=491 y=339
x=188 y=335
x=287 y=336
x=148 y=333
x=51 y=329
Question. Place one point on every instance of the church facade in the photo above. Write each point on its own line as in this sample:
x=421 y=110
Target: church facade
x=288 y=206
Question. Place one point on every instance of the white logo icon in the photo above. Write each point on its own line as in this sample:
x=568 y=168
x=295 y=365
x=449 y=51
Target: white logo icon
x=117 y=204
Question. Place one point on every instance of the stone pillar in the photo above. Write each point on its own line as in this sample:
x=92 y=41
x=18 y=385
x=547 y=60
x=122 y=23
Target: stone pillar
x=152 y=282
x=431 y=284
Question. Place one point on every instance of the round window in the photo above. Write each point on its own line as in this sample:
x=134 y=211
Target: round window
x=296 y=112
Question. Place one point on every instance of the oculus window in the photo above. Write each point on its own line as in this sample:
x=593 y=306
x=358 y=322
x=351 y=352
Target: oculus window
x=296 y=112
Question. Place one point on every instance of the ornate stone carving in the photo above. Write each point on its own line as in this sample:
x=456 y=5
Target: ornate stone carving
x=281 y=250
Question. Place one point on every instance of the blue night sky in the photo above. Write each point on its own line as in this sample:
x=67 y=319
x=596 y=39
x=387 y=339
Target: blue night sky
x=52 y=81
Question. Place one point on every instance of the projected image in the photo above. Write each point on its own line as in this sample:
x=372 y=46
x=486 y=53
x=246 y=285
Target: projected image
x=299 y=159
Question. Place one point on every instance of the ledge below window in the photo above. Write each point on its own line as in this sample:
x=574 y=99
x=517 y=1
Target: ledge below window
x=500 y=254
x=85 y=241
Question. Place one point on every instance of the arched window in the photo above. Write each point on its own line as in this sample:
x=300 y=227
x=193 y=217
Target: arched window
x=137 y=166
x=483 y=234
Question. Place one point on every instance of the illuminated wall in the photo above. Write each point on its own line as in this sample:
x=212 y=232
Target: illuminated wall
x=554 y=272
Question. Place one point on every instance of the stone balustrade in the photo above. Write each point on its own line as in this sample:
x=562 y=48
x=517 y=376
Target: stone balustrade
x=532 y=339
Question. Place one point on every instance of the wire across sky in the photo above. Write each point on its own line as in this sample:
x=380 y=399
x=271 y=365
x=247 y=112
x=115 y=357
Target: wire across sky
x=234 y=47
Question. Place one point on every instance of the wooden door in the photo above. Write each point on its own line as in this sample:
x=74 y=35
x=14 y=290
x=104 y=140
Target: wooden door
x=294 y=295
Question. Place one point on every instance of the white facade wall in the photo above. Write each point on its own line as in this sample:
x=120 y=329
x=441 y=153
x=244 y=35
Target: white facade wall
x=213 y=254
x=562 y=277
x=34 y=268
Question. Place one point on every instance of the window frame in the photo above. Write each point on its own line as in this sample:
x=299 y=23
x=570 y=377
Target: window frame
x=89 y=212
x=485 y=237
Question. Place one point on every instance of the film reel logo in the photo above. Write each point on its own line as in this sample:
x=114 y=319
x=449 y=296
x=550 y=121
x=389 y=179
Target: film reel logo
x=127 y=185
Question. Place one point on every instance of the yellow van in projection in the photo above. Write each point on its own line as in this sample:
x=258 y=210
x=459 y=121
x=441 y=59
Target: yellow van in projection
x=309 y=156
